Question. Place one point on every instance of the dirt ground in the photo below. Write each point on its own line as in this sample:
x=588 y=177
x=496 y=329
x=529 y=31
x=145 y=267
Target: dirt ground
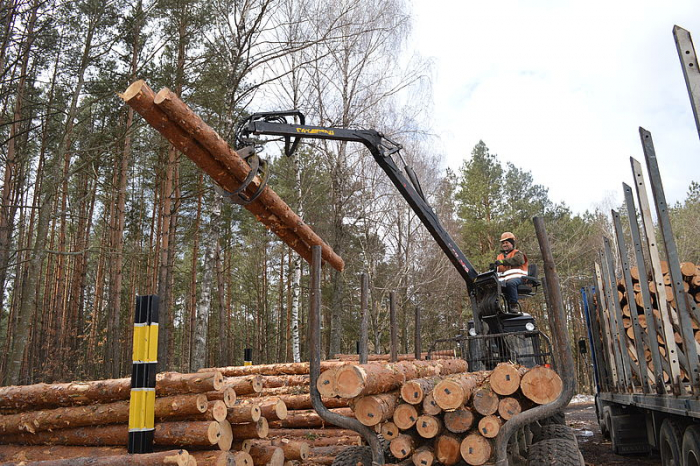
x=596 y=449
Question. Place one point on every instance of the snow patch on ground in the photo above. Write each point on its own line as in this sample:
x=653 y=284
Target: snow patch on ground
x=576 y=399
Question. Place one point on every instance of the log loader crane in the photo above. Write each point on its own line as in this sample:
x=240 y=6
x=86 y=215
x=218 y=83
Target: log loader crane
x=496 y=335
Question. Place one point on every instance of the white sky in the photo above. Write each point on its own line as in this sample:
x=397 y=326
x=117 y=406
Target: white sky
x=560 y=88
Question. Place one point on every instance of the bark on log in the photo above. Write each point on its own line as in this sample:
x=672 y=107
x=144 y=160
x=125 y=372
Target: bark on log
x=429 y=426
x=413 y=391
x=243 y=413
x=100 y=414
x=405 y=416
x=267 y=454
x=226 y=394
x=509 y=407
x=245 y=385
x=373 y=409
x=258 y=429
x=372 y=378
x=459 y=421
x=293 y=449
x=273 y=408
x=541 y=385
x=19 y=453
x=295 y=402
x=192 y=124
x=453 y=392
x=311 y=435
x=489 y=426
x=307 y=419
x=172 y=457
x=290 y=368
x=42 y=396
x=275 y=381
x=446 y=449
x=475 y=449
x=222 y=458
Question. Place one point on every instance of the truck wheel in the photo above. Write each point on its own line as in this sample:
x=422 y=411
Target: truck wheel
x=605 y=422
x=552 y=431
x=691 y=446
x=556 y=418
x=670 y=443
x=556 y=451
x=352 y=456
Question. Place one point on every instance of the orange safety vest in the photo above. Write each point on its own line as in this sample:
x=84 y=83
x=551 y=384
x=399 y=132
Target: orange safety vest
x=503 y=268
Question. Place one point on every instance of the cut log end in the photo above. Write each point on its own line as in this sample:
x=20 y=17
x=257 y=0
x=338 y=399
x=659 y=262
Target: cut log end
x=541 y=385
x=133 y=90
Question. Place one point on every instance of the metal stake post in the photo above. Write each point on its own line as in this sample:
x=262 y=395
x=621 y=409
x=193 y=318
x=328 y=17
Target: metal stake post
x=689 y=62
x=364 y=323
x=417 y=335
x=394 y=327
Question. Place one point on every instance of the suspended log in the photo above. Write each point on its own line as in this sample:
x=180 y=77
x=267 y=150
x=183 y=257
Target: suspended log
x=509 y=407
x=413 y=391
x=326 y=383
x=489 y=426
x=446 y=448
x=373 y=409
x=475 y=449
x=459 y=421
x=405 y=416
x=541 y=385
x=485 y=401
x=369 y=379
x=193 y=125
x=429 y=426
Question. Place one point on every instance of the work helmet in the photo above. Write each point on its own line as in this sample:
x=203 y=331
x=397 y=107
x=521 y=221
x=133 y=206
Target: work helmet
x=508 y=236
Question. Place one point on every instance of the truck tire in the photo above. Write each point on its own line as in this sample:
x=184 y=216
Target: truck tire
x=691 y=446
x=556 y=451
x=552 y=431
x=670 y=443
x=604 y=422
x=351 y=456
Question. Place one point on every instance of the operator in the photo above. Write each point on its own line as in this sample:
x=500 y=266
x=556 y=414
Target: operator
x=512 y=267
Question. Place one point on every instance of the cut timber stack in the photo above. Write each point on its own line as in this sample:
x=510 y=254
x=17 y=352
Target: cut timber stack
x=442 y=418
x=659 y=301
x=186 y=131
x=86 y=422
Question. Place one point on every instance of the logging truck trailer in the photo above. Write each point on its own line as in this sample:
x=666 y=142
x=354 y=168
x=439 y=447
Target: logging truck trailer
x=642 y=316
x=498 y=333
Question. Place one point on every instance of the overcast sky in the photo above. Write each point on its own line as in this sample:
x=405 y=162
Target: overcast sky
x=560 y=88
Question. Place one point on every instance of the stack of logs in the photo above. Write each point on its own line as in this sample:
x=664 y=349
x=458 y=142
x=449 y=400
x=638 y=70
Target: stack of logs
x=691 y=285
x=441 y=419
x=262 y=415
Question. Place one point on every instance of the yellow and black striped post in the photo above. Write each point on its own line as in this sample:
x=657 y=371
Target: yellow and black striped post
x=143 y=375
x=247 y=356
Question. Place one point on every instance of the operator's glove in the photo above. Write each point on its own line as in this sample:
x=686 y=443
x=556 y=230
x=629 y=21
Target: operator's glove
x=498 y=263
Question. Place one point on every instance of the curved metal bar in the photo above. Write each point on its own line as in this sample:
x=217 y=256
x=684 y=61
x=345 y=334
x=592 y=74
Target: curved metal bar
x=561 y=342
x=315 y=366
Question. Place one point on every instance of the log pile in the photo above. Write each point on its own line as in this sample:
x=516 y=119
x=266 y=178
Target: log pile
x=67 y=422
x=659 y=301
x=188 y=133
x=449 y=418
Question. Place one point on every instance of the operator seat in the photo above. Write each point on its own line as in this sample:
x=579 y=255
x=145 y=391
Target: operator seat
x=530 y=283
